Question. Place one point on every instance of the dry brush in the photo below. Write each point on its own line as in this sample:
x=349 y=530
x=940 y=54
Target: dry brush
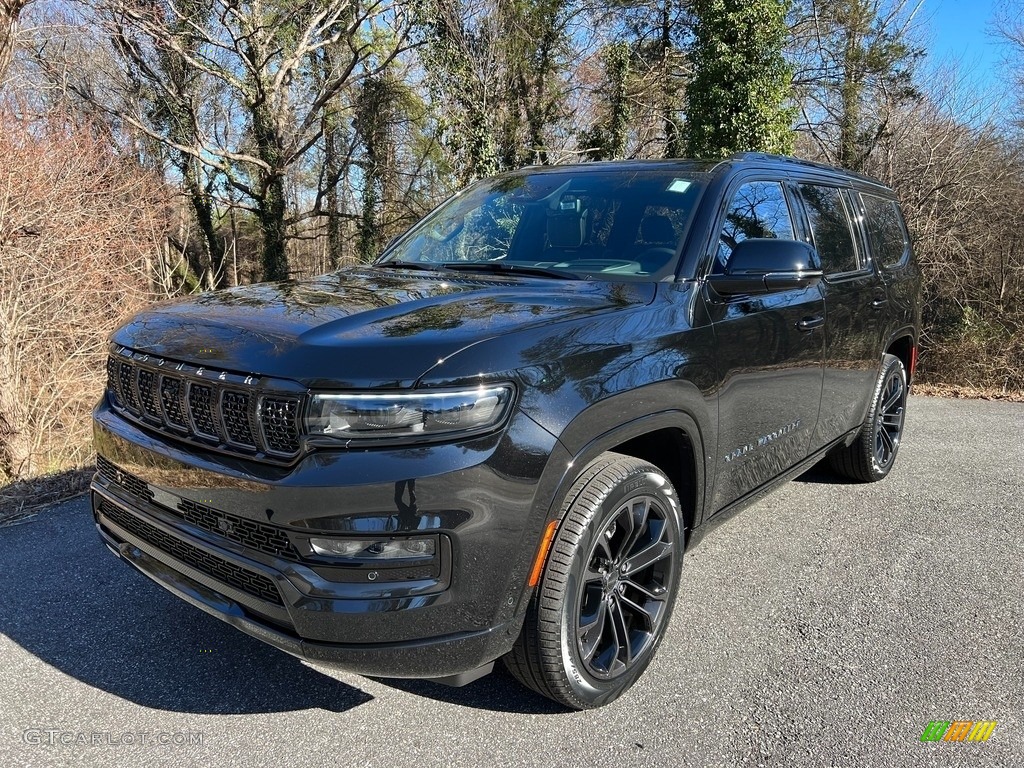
x=77 y=227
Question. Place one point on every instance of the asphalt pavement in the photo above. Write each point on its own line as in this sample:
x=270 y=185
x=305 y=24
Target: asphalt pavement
x=826 y=625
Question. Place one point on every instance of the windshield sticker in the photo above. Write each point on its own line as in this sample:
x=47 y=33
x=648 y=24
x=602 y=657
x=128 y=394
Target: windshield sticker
x=678 y=185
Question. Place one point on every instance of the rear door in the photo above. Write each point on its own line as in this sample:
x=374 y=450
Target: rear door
x=855 y=303
x=770 y=370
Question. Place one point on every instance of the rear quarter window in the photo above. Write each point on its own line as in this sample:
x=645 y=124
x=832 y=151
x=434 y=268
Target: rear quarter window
x=887 y=234
x=830 y=226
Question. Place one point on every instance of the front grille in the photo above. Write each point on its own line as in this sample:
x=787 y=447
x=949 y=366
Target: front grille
x=190 y=403
x=131 y=484
x=170 y=396
x=200 y=403
x=113 y=373
x=235 y=409
x=147 y=395
x=249 y=533
x=279 y=422
x=126 y=385
x=253 y=583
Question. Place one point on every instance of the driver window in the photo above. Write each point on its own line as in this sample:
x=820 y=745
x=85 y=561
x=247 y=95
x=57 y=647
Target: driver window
x=758 y=209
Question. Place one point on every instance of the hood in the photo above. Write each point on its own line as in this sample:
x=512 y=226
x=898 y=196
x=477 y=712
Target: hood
x=362 y=327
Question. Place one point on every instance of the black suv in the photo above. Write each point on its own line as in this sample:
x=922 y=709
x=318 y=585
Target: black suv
x=497 y=440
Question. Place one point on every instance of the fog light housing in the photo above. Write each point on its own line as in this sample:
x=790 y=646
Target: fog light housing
x=376 y=550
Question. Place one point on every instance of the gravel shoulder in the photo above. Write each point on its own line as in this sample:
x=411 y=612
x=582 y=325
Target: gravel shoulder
x=824 y=626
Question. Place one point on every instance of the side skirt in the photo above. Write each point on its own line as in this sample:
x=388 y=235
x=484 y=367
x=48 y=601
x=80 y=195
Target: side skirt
x=730 y=510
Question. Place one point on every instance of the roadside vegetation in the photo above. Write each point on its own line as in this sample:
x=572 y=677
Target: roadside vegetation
x=151 y=149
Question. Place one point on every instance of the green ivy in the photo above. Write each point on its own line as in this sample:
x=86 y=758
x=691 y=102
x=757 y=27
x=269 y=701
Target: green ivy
x=741 y=82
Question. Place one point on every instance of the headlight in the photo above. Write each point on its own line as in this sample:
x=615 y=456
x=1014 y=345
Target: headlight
x=408 y=415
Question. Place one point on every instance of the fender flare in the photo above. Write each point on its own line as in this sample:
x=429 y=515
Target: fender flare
x=668 y=419
x=556 y=481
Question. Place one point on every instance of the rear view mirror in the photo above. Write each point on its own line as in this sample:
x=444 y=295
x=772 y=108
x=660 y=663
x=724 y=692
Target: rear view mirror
x=766 y=265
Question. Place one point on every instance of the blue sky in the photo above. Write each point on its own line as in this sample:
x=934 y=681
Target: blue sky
x=958 y=29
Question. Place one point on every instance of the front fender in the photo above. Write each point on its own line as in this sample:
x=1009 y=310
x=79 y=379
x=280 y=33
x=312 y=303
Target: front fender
x=584 y=440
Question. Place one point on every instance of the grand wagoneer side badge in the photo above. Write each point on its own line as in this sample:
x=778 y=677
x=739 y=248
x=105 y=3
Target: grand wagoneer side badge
x=762 y=441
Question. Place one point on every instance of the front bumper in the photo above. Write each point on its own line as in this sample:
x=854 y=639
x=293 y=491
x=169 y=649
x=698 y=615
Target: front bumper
x=483 y=498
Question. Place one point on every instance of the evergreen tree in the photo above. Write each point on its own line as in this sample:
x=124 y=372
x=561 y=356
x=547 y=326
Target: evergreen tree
x=735 y=101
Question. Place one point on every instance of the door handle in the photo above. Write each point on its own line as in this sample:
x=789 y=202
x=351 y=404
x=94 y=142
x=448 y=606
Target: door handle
x=879 y=302
x=810 y=323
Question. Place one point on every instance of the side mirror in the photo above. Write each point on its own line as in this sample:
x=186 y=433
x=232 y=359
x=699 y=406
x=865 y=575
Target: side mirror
x=766 y=265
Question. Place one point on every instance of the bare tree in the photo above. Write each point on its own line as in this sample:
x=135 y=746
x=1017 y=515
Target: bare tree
x=10 y=10
x=259 y=113
x=854 y=68
x=78 y=224
x=1008 y=27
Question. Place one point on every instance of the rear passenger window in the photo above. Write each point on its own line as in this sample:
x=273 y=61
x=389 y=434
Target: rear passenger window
x=830 y=225
x=758 y=209
x=887 y=235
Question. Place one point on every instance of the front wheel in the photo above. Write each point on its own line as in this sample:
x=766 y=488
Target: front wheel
x=608 y=588
x=872 y=454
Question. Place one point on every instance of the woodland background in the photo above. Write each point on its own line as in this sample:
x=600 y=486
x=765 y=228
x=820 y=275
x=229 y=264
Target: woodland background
x=151 y=148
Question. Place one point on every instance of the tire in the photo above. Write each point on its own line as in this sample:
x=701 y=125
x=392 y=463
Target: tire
x=608 y=588
x=873 y=453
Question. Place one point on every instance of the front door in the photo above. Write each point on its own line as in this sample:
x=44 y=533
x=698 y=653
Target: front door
x=769 y=352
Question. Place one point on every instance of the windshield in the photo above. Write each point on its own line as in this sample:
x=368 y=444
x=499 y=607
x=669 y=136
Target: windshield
x=621 y=224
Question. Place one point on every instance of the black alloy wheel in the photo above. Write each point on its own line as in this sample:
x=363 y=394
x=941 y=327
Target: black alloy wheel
x=608 y=587
x=872 y=454
x=623 y=597
x=888 y=423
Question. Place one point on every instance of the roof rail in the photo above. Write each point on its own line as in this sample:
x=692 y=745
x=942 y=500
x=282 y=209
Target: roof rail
x=754 y=156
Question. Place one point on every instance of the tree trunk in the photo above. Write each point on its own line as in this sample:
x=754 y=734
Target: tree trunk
x=855 y=18
x=9 y=11
x=332 y=170
x=203 y=209
x=271 y=203
x=271 y=215
x=849 y=118
x=673 y=143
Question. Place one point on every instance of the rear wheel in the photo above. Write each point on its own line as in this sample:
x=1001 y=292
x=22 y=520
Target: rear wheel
x=608 y=588
x=872 y=454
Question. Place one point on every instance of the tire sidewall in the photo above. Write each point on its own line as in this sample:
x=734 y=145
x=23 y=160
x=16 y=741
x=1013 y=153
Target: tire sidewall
x=592 y=691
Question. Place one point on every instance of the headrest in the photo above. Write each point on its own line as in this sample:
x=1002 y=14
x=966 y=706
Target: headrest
x=567 y=229
x=657 y=228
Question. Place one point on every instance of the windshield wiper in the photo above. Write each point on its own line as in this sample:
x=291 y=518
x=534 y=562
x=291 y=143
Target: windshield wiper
x=515 y=269
x=410 y=265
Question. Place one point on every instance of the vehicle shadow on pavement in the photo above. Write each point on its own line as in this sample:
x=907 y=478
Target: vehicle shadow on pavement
x=822 y=473
x=70 y=603
x=497 y=692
